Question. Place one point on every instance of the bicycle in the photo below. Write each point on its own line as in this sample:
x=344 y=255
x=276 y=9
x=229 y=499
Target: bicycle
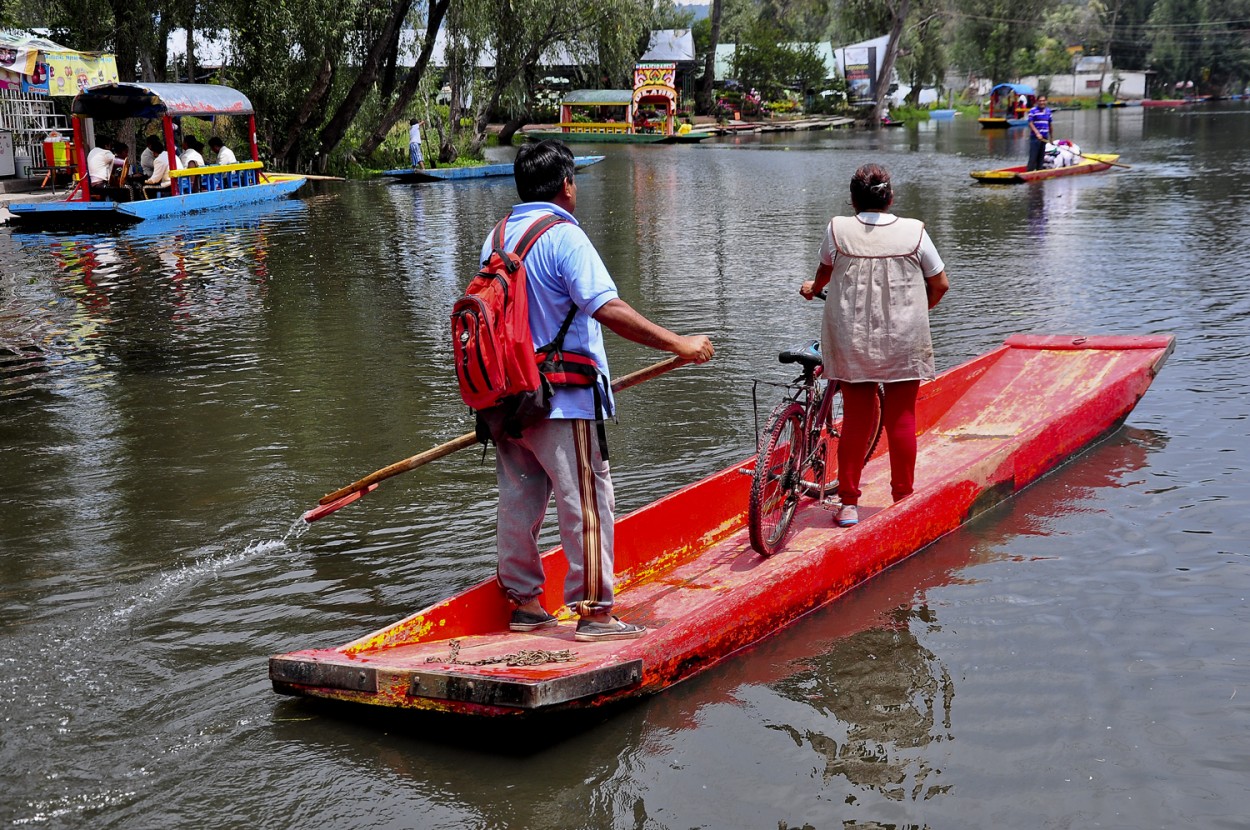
x=798 y=450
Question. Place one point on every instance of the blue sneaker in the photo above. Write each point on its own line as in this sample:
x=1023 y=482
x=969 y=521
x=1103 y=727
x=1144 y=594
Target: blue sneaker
x=848 y=515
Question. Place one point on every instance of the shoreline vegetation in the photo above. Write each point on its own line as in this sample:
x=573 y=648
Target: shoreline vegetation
x=351 y=74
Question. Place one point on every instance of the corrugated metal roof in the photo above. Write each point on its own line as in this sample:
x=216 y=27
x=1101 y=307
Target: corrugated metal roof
x=136 y=100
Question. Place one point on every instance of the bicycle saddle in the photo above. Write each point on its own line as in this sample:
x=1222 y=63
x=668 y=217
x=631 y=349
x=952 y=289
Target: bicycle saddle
x=809 y=355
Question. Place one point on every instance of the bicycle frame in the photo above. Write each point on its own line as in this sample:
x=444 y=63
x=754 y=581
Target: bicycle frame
x=811 y=392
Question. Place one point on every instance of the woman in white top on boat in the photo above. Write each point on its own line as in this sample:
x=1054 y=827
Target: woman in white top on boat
x=883 y=274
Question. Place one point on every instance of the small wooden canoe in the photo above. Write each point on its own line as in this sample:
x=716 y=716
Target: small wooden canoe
x=1091 y=163
x=998 y=122
x=686 y=569
x=481 y=171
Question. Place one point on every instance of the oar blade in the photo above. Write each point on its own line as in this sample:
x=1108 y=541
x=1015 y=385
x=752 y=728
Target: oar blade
x=323 y=510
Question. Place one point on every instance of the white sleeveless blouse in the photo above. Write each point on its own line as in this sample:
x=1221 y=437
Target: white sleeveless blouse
x=876 y=321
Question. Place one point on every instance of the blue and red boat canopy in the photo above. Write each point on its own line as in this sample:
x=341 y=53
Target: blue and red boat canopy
x=1019 y=89
x=140 y=100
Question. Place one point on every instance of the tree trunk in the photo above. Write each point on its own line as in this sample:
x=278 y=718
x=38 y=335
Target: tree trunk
x=316 y=95
x=332 y=133
x=899 y=13
x=192 y=62
x=509 y=130
x=709 y=64
x=158 y=53
x=126 y=39
x=411 y=82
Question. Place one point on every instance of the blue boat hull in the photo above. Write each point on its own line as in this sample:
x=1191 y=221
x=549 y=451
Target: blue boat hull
x=445 y=174
x=78 y=214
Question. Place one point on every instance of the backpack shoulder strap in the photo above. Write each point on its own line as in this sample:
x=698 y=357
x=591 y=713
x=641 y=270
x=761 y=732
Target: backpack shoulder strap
x=535 y=230
x=497 y=235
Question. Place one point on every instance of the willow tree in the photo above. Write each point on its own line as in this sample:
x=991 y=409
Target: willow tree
x=523 y=37
x=412 y=80
x=991 y=33
x=910 y=24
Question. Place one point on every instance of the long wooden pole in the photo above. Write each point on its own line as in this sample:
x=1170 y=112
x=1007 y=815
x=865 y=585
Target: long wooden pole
x=1106 y=161
x=346 y=495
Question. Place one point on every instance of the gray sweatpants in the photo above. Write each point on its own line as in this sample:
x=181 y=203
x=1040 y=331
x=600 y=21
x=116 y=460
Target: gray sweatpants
x=560 y=456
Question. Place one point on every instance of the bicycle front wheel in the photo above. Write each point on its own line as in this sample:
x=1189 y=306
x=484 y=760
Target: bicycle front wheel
x=775 y=485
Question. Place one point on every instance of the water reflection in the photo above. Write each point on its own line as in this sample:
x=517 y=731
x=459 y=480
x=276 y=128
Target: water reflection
x=167 y=415
x=146 y=298
x=852 y=708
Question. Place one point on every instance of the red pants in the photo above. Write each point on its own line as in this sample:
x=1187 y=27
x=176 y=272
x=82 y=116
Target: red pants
x=898 y=416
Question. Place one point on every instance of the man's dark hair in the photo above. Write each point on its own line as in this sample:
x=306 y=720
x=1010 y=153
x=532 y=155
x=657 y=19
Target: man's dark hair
x=215 y=142
x=541 y=169
x=871 y=189
x=120 y=147
x=152 y=141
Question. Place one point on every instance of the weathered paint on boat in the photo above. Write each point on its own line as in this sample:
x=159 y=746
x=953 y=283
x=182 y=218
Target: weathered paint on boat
x=77 y=214
x=1091 y=163
x=686 y=570
x=444 y=174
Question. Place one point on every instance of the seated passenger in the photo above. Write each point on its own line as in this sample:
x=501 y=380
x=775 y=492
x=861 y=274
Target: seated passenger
x=149 y=154
x=159 y=180
x=100 y=168
x=191 y=155
x=119 y=189
x=1069 y=153
x=224 y=154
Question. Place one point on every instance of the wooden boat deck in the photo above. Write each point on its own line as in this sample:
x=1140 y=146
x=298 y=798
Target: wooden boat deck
x=686 y=569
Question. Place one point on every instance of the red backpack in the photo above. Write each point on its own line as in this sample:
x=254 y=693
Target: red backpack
x=490 y=324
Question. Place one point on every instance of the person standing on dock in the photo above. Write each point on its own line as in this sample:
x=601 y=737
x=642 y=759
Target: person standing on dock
x=1039 y=132
x=560 y=452
x=414 y=144
x=884 y=274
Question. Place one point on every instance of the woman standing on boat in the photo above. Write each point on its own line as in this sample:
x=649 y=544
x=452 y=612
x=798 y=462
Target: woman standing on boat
x=883 y=274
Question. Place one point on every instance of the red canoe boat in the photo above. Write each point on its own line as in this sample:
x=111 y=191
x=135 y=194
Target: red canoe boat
x=1091 y=163
x=686 y=568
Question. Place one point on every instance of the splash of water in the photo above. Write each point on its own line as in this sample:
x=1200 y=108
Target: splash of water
x=167 y=583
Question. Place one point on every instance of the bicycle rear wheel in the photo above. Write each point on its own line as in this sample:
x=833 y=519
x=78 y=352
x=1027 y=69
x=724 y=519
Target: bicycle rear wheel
x=775 y=484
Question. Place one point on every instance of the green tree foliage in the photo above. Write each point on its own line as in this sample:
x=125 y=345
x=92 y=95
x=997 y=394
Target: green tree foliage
x=923 y=55
x=797 y=20
x=1127 y=39
x=762 y=62
x=1207 y=42
x=603 y=35
x=991 y=33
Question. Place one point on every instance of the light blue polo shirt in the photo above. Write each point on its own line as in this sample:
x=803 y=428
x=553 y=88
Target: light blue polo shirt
x=563 y=269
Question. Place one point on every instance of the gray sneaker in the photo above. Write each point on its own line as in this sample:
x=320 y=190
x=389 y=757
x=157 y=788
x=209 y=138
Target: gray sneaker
x=526 y=621
x=589 y=631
